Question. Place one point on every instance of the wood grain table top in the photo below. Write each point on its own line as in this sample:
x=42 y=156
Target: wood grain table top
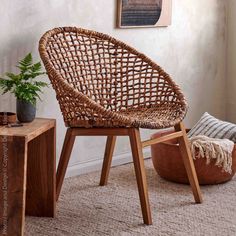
x=29 y=130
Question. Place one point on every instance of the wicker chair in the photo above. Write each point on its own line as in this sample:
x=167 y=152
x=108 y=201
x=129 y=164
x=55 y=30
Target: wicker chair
x=107 y=88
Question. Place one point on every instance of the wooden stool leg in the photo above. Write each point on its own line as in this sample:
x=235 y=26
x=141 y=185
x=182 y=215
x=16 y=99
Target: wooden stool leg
x=188 y=163
x=64 y=159
x=110 y=145
x=136 y=147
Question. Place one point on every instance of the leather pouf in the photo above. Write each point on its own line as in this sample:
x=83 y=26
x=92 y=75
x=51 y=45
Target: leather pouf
x=168 y=163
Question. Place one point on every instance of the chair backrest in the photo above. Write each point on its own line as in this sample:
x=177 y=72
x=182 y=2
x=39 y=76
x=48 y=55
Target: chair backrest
x=105 y=69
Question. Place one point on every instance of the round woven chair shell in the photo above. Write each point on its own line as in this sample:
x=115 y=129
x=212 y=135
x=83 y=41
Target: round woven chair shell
x=102 y=82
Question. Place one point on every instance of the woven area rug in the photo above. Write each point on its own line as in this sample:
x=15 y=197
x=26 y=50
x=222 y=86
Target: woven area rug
x=84 y=208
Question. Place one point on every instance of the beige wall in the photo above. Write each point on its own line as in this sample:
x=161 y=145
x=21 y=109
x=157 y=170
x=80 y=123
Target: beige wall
x=231 y=62
x=192 y=50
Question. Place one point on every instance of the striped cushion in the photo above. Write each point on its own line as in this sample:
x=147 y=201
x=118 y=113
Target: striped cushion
x=214 y=128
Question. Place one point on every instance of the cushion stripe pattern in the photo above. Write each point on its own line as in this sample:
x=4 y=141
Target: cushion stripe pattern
x=214 y=128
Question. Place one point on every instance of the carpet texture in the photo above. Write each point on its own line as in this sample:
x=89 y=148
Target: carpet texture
x=84 y=208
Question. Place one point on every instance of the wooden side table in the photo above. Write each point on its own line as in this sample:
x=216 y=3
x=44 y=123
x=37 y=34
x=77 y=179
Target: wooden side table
x=27 y=174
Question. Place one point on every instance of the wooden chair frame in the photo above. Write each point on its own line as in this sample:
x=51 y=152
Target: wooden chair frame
x=136 y=147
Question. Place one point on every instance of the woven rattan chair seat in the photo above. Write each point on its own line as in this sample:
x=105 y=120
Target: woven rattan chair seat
x=152 y=118
x=157 y=117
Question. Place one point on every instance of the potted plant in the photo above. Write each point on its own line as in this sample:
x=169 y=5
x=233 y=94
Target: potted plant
x=25 y=87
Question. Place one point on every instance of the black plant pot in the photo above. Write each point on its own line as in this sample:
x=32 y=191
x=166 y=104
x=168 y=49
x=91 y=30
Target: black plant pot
x=25 y=111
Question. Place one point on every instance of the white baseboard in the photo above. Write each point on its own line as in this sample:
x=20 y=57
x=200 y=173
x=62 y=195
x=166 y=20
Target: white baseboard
x=94 y=165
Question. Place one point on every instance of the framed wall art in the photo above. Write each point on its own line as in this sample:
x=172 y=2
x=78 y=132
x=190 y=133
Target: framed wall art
x=144 y=13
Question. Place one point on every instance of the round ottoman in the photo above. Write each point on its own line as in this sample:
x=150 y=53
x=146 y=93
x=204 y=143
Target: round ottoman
x=168 y=163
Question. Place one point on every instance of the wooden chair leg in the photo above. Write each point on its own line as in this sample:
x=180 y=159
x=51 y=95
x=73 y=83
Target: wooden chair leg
x=188 y=163
x=136 y=147
x=110 y=145
x=64 y=160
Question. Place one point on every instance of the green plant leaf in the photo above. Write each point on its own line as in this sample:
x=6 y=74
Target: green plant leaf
x=12 y=76
x=41 y=84
x=25 y=63
x=23 y=84
x=6 y=85
x=36 y=67
x=27 y=60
